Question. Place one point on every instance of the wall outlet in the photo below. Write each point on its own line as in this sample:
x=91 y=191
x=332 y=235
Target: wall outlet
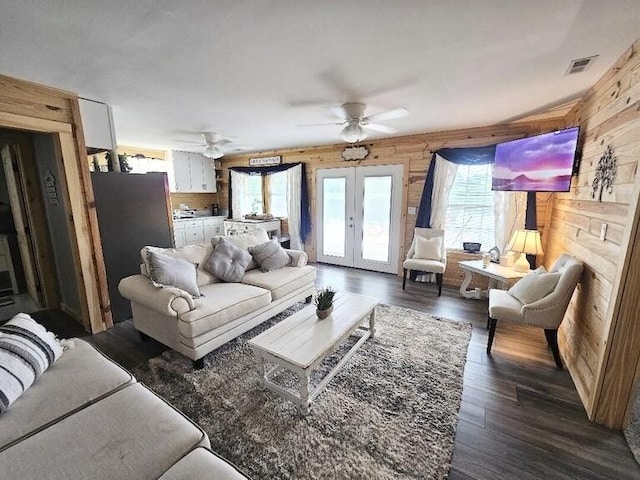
x=603 y=231
x=411 y=210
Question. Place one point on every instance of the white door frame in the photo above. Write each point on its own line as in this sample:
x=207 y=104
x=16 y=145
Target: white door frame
x=396 y=172
x=349 y=174
x=355 y=177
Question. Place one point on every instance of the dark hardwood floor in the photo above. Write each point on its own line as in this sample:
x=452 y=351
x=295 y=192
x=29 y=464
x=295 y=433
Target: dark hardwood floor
x=520 y=417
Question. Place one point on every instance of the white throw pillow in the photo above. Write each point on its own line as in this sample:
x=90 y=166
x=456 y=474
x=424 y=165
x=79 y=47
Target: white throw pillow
x=27 y=349
x=534 y=286
x=428 y=248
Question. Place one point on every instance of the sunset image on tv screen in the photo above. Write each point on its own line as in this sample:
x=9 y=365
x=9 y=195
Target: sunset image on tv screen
x=536 y=164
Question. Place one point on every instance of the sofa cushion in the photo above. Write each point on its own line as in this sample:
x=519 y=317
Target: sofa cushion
x=503 y=306
x=221 y=303
x=173 y=272
x=203 y=464
x=417 y=264
x=270 y=256
x=132 y=433
x=227 y=262
x=27 y=349
x=81 y=376
x=244 y=241
x=196 y=254
x=283 y=281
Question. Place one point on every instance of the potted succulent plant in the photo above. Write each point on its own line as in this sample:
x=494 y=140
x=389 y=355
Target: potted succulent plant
x=323 y=300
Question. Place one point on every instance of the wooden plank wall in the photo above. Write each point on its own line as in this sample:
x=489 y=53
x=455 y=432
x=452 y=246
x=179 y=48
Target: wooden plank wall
x=609 y=114
x=197 y=201
x=414 y=152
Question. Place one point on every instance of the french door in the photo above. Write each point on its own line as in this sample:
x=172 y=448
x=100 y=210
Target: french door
x=358 y=216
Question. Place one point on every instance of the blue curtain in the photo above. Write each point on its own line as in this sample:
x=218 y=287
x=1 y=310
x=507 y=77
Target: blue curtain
x=460 y=156
x=305 y=217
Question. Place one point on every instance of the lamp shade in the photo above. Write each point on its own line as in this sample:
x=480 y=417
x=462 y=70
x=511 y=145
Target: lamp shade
x=353 y=133
x=526 y=241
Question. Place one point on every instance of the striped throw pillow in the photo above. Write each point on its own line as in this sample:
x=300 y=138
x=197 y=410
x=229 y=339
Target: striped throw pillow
x=26 y=351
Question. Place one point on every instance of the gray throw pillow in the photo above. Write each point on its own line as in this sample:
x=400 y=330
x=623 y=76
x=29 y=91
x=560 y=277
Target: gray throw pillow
x=270 y=256
x=174 y=272
x=227 y=262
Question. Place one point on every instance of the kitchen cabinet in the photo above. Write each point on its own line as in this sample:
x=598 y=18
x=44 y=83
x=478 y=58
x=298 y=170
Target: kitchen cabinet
x=178 y=234
x=193 y=173
x=194 y=235
x=181 y=172
x=197 y=230
x=212 y=228
x=97 y=125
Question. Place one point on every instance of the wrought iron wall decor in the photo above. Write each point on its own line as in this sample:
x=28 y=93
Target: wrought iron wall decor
x=605 y=173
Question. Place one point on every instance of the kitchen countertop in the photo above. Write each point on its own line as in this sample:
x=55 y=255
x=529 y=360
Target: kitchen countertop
x=206 y=217
x=251 y=220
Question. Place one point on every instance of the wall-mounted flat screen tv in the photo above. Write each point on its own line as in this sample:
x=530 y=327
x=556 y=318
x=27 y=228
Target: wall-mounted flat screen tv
x=543 y=163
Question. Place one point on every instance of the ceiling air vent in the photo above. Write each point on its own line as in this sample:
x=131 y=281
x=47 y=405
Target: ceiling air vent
x=580 y=64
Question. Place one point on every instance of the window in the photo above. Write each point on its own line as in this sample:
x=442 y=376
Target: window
x=253 y=195
x=264 y=194
x=276 y=186
x=470 y=216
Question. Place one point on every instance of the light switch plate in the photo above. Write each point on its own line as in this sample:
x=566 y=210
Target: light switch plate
x=603 y=231
x=411 y=210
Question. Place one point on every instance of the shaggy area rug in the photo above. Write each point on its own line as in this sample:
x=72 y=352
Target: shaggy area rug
x=390 y=413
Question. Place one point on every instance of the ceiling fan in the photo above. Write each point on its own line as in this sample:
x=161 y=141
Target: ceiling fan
x=355 y=122
x=216 y=145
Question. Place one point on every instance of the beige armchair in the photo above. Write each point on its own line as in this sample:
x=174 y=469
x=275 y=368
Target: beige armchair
x=431 y=262
x=546 y=313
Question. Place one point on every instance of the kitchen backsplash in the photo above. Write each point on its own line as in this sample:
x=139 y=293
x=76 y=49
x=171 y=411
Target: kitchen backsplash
x=196 y=201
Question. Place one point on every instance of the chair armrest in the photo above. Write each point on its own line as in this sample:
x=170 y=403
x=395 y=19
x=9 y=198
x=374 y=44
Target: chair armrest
x=298 y=257
x=170 y=301
x=547 y=312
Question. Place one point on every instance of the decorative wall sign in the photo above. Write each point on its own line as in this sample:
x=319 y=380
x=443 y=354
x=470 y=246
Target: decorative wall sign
x=605 y=173
x=50 y=188
x=351 y=154
x=276 y=160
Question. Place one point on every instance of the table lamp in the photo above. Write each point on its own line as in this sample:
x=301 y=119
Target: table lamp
x=525 y=242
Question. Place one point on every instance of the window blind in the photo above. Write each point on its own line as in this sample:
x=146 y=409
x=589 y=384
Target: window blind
x=470 y=216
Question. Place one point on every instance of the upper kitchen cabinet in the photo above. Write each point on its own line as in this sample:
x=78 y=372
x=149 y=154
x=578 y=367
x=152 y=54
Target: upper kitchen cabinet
x=181 y=173
x=193 y=173
x=97 y=124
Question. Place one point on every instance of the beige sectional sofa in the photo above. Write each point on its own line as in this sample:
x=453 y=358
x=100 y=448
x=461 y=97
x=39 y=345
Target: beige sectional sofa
x=195 y=327
x=86 y=417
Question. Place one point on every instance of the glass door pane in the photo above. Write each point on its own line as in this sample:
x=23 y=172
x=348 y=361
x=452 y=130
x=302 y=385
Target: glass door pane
x=376 y=221
x=334 y=197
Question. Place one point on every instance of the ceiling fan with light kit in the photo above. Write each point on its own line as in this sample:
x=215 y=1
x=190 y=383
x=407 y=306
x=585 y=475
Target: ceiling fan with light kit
x=215 y=145
x=356 y=123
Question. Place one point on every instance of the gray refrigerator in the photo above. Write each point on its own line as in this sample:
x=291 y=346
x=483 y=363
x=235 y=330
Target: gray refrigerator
x=133 y=210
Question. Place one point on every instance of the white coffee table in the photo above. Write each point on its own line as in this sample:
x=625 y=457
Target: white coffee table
x=499 y=277
x=299 y=343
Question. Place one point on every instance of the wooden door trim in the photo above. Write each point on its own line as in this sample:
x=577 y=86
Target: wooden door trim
x=82 y=208
x=77 y=264
x=38 y=125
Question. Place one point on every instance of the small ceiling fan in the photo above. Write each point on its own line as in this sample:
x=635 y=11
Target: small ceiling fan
x=216 y=145
x=355 y=122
